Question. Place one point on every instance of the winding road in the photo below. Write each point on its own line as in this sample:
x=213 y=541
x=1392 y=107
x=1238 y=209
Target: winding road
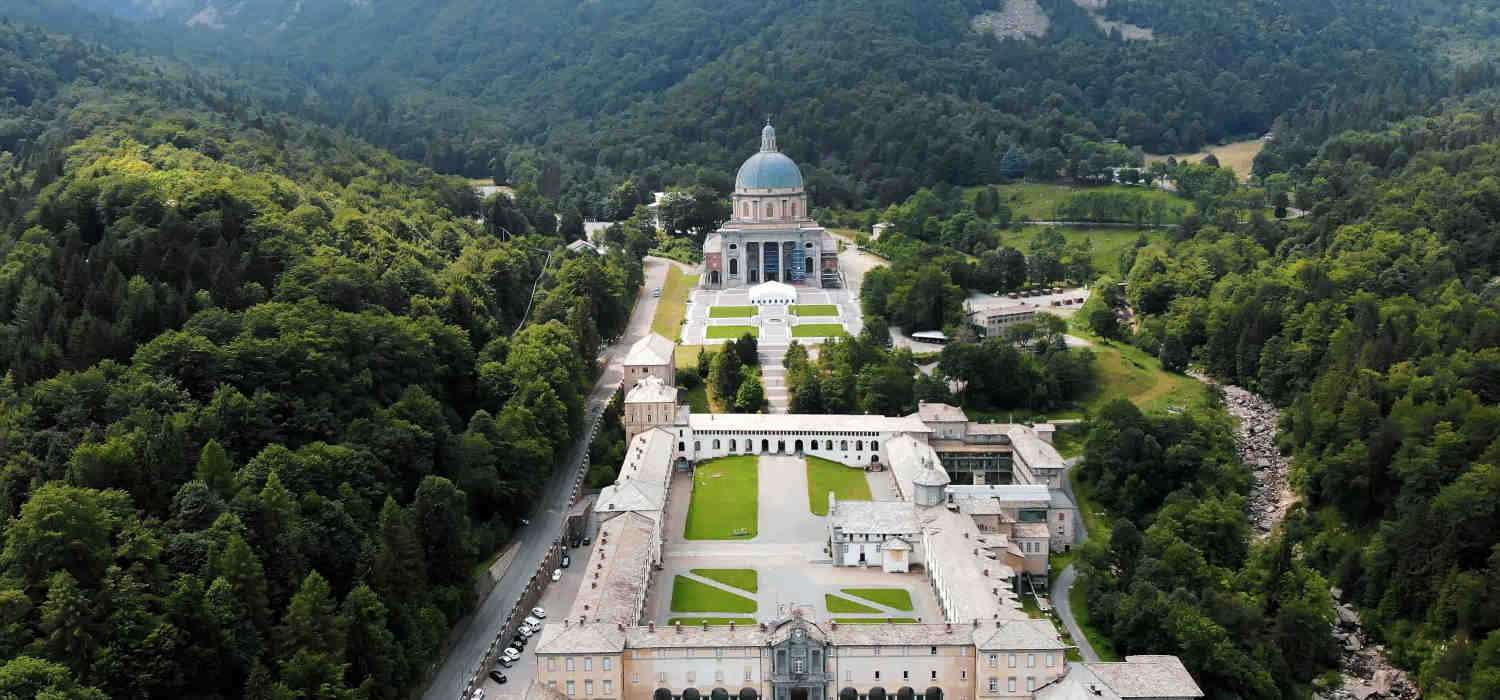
x=1063 y=584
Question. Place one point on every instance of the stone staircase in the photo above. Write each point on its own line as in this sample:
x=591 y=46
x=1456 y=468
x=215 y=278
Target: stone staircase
x=773 y=377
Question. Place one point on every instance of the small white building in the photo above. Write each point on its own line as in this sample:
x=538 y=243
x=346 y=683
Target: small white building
x=773 y=294
x=874 y=533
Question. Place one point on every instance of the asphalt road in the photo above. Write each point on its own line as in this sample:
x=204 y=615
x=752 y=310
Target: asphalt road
x=1063 y=584
x=452 y=675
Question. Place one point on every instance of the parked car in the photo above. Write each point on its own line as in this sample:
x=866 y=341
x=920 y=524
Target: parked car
x=539 y=613
x=497 y=676
x=511 y=653
x=507 y=663
x=557 y=573
x=525 y=521
x=566 y=560
x=586 y=541
x=656 y=292
x=519 y=642
x=525 y=630
x=532 y=621
x=478 y=694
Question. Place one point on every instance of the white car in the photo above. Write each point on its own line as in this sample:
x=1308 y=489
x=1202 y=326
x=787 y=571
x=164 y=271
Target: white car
x=478 y=694
x=539 y=612
x=526 y=631
x=532 y=622
x=510 y=653
x=557 y=574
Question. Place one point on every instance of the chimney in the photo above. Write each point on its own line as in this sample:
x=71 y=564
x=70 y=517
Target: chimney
x=566 y=623
x=679 y=628
x=976 y=623
x=650 y=626
x=833 y=625
x=705 y=624
x=762 y=626
x=997 y=624
x=948 y=628
x=620 y=626
x=731 y=625
x=986 y=573
x=890 y=621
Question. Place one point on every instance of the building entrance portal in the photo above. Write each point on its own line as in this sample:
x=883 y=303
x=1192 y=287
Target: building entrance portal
x=799 y=693
x=781 y=445
x=765 y=445
x=798 y=445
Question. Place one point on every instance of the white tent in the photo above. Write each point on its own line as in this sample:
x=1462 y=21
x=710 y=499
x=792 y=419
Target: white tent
x=767 y=293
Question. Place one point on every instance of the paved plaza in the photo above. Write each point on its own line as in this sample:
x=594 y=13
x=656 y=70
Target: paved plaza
x=789 y=553
x=774 y=322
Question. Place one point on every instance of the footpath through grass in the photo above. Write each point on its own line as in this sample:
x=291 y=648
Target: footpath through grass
x=725 y=501
x=848 y=483
x=730 y=332
x=815 y=309
x=743 y=579
x=694 y=596
x=896 y=598
x=732 y=311
x=819 y=330
x=672 y=306
x=844 y=605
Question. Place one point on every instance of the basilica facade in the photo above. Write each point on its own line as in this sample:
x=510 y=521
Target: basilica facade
x=770 y=235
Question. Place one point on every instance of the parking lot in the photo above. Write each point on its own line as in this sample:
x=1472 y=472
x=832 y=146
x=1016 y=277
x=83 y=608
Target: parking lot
x=556 y=600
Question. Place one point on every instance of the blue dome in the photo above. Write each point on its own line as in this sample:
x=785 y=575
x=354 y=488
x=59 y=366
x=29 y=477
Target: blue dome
x=768 y=170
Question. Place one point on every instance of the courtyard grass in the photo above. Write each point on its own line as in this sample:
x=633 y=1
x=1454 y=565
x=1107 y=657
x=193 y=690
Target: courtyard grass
x=815 y=309
x=730 y=332
x=895 y=598
x=818 y=330
x=823 y=475
x=710 y=621
x=732 y=311
x=725 y=500
x=743 y=579
x=672 y=306
x=873 y=620
x=844 y=605
x=694 y=596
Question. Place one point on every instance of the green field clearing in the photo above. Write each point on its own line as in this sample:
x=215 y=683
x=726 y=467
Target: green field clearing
x=818 y=330
x=896 y=598
x=730 y=332
x=1238 y=156
x=1107 y=243
x=1125 y=371
x=815 y=309
x=873 y=620
x=710 y=621
x=1069 y=443
x=844 y=605
x=672 y=306
x=823 y=475
x=693 y=596
x=726 y=499
x=1038 y=201
x=732 y=311
x=687 y=355
x=743 y=579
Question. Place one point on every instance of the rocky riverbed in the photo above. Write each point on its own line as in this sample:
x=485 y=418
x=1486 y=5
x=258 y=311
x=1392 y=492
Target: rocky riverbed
x=1255 y=439
x=1367 y=673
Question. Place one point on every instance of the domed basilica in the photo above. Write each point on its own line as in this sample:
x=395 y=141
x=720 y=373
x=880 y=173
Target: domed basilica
x=769 y=236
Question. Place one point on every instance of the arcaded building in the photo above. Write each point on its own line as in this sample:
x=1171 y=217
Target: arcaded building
x=770 y=235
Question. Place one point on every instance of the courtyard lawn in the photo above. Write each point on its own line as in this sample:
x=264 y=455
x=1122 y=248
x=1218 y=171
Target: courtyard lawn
x=873 y=620
x=743 y=579
x=823 y=475
x=710 y=621
x=672 y=306
x=732 y=311
x=818 y=330
x=730 y=332
x=725 y=501
x=692 y=596
x=896 y=598
x=815 y=309
x=844 y=605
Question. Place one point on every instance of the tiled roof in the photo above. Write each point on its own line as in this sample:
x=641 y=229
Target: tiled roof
x=617 y=573
x=650 y=350
x=936 y=412
x=569 y=637
x=651 y=389
x=783 y=422
x=1147 y=676
x=880 y=517
x=1023 y=634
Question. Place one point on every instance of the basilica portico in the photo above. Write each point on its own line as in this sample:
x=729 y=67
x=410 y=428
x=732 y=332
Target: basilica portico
x=770 y=236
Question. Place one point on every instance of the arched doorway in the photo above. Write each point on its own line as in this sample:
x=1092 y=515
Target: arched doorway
x=799 y=693
x=713 y=276
x=877 y=693
x=691 y=694
x=718 y=694
x=934 y=693
x=748 y=694
x=661 y=694
x=906 y=693
x=754 y=275
x=734 y=267
x=781 y=445
x=798 y=445
x=807 y=266
x=765 y=445
x=848 y=694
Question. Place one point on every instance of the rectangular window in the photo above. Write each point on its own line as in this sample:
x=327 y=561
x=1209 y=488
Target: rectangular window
x=661 y=677
x=906 y=675
x=588 y=687
x=719 y=653
x=877 y=650
x=1050 y=659
x=719 y=675
x=692 y=677
x=571 y=689
x=1010 y=661
x=1031 y=661
x=747 y=673
x=877 y=675
x=1010 y=684
x=932 y=651
x=609 y=688
x=1030 y=683
x=552 y=663
x=609 y=663
x=848 y=674
x=569 y=663
x=635 y=677
x=934 y=674
x=994 y=684
x=994 y=660
x=963 y=674
x=588 y=663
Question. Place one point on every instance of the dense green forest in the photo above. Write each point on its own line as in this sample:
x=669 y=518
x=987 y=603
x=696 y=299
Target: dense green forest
x=269 y=394
x=876 y=99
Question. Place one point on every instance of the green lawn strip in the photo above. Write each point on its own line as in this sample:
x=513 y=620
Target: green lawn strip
x=672 y=306
x=1101 y=644
x=725 y=500
x=1069 y=443
x=844 y=605
x=710 y=621
x=697 y=398
x=818 y=330
x=732 y=311
x=730 y=332
x=873 y=620
x=1039 y=200
x=695 y=596
x=823 y=475
x=743 y=579
x=1125 y=371
x=895 y=598
x=815 y=309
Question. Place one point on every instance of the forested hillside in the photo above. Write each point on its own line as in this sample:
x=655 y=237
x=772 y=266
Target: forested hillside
x=264 y=402
x=876 y=98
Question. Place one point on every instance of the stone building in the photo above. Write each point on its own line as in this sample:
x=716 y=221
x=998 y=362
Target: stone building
x=652 y=355
x=995 y=317
x=770 y=235
x=651 y=402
